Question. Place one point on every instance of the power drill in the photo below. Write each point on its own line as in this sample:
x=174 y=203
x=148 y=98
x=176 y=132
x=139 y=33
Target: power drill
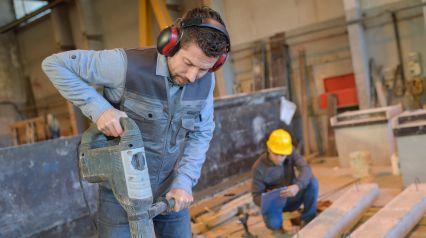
x=121 y=163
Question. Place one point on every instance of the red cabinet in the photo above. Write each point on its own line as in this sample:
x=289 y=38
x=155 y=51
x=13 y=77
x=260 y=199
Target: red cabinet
x=345 y=89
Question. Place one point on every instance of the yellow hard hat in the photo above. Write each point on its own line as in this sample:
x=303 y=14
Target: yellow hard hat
x=279 y=142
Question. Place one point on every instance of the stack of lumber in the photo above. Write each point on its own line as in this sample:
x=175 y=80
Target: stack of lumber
x=352 y=213
x=28 y=131
x=218 y=216
x=214 y=211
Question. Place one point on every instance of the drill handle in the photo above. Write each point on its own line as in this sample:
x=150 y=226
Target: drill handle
x=91 y=135
x=163 y=205
x=170 y=204
x=94 y=136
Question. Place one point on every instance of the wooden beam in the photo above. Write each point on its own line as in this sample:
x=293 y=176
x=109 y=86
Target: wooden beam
x=304 y=101
x=198 y=228
x=145 y=36
x=219 y=199
x=29 y=130
x=90 y=26
x=343 y=214
x=234 y=227
x=278 y=76
x=398 y=217
x=226 y=212
x=220 y=89
x=73 y=120
x=330 y=148
x=161 y=13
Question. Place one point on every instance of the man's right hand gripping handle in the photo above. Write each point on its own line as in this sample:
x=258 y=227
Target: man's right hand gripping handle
x=109 y=122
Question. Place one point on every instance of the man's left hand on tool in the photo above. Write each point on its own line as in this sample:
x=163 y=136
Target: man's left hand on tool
x=182 y=199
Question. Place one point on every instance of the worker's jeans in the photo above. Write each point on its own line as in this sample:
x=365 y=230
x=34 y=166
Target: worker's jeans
x=308 y=197
x=112 y=220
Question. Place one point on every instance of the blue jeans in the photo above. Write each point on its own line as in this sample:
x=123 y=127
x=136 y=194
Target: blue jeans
x=308 y=197
x=113 y=223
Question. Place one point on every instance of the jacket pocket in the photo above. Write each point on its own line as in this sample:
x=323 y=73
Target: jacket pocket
x=187 y=124
x=150 y=118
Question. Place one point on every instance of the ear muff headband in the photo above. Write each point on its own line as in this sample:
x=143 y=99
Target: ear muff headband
x=168 y=40
x=207 y=23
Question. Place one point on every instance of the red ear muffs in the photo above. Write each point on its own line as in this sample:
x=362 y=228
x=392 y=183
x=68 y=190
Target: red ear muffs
x=168 y=41
x=169 y=38
x=219 y=62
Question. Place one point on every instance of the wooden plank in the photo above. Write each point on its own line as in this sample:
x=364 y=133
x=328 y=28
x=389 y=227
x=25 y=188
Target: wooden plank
x=330 y=147
x=373 y=210
x=161 y=13
x=418 y=232
x=29 y=130
x=278 y=62
x=381 y=94
x=376 y=77
x=220 y=89
x=398 y=217
x=227 y=211
x=219 y=199
x=233 y=226
x=343 y=214
x=315 y=131
x=198 y=228
x=14 y=132
x=145 y=36
x=256 y=72
x=73 y=121
x=212 y=219
x=304 y=101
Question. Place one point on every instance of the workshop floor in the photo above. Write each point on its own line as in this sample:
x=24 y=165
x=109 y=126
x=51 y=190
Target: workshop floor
x=332 y=181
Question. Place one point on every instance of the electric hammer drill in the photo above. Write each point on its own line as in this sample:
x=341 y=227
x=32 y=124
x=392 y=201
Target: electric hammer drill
x=121 y=163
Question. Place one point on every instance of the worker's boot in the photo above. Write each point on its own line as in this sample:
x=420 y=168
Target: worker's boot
x=296 y=221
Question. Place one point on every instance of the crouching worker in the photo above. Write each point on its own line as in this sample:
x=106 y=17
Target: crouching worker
x=277 y=169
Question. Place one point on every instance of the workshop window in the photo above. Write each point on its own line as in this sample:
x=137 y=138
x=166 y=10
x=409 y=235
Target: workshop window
x=25 y=7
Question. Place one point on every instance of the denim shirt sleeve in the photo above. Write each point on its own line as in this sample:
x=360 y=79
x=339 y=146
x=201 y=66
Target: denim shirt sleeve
x=194 y=155
x=257 y=184
x=304 y=169
x=72 y=72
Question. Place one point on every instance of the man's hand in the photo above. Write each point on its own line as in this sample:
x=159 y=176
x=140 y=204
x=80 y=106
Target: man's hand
x=291 y=191
x=182 y=199
x=109 y=122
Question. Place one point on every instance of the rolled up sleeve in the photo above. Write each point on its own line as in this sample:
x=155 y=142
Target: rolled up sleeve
x=72 y=72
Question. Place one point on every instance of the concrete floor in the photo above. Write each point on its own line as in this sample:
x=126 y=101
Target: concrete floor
x=331 y=177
